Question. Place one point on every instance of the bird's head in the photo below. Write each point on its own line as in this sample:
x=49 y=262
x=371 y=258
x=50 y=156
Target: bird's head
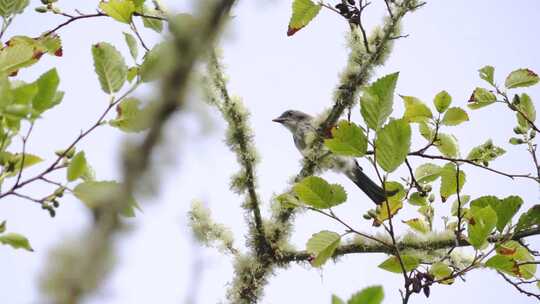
x=291 y=119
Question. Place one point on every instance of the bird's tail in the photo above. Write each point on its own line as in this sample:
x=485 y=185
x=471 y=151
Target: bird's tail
x=370 y=188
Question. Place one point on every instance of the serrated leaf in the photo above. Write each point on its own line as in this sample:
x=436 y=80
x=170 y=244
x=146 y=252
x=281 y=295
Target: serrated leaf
x=392 y=264
x=347 y=140
x=426 y=131
x=152 y=23
x=77 y=166
x=487 y=74
x=382 y=210
x=109 y=66
x=485 y=152
x=303 y=12
x=369 y=295
x=509 y=256
x=426 y=173
x=447 y=145
x=318 y=193
x=521 y=78
x=392 y=144
x=416 y=199
x=449 y=180
x=155 y=62
x=529 y=219
x=506 y=210
x=119 y=10
x=132 y=73
x=481 y=222
x=377 y=101
x=12 y=7
x=130 y=117
x=415 y=110
x=442 y=101
x=48 y=94
x=17 y=161
x=322 y=245
x=481 y=98
x=525 y=107
x=16 y=241
x=132 y=45
x=454 y=116
x=418 y=225
x=95 y=193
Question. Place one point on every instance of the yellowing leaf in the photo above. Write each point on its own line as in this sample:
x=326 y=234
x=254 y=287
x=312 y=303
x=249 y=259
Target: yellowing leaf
x=415 y=110
x=120 y=10
x=418 y=225
x=392 y=264
x=454 y=116
x=16 y=241
x=347 y=139
x=481 y=98
x=303 y=11
x=521 y=78
x=109 y=66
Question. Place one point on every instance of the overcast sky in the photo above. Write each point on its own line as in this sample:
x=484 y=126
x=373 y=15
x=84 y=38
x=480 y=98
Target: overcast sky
x=448 y=43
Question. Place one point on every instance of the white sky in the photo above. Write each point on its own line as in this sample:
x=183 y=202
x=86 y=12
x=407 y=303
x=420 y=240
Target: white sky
x=448 y=42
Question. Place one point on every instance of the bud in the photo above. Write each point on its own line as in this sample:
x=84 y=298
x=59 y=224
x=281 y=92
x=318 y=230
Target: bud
x=532 y=134
x=431 y=198
x=41 y=9
x=516 y=141
x=519 y=130
x=485 y=163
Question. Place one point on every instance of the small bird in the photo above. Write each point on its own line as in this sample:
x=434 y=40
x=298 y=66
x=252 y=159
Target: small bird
x=301 y=125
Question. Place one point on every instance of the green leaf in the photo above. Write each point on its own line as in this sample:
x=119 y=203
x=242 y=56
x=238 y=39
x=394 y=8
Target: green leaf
x=447 y=145
x=17 y=161
x=347 y=140
x=392 y=264
x=77 y=166
x=487 y=74
x=132 y=45
x=449 y=180
x=506 y=210
x=303 y=11
x=377 y=100
x=12 y=7
x=509 y=256
x=529 y=219
x=416 y=199
x=481 y=222
x=318 y=193
x=132 y=73
x=337 y=300
x=3 y=226
x=392 y=144
x=454 y=116
x=369 y=295
x=481 y=98
x=418 y=225
x=322 y=245
x=426 y=173
x=426 y=131
x=155 y=62
x=130 y=117
x=109 y=66
x=526 y=107
x=25 y=93
x=521 y=78
x=16 y=241
x=440 y=271
x=464 y=201
x=119 y=10
x=485 y=153
x=95 y=193
x=415 y=110
x=442 y=101
x=14 y=57
x=48 y=95
x=152 y=23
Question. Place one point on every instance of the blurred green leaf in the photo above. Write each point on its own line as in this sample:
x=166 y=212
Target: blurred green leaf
x=95 y=193
x=440 y=271
x=481 y=98
x=322 y=245
x=132 y=45
x=392 y=264
x=303 y=12
x=77 y=166
x=347 y=139
x=48 y=95
x=16 y=241
x=12 y=7
x=454 y=116
x=485 y=153
x=152 y=23
x=521 y=78
x=529 y=219
x=119 y=10
x=130 y=117
x=369 y=295
x=418 y=225
x=442 y=101
x=337 y=300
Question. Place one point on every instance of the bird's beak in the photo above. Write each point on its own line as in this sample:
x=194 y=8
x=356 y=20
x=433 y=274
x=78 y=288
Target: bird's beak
x=279 y=120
